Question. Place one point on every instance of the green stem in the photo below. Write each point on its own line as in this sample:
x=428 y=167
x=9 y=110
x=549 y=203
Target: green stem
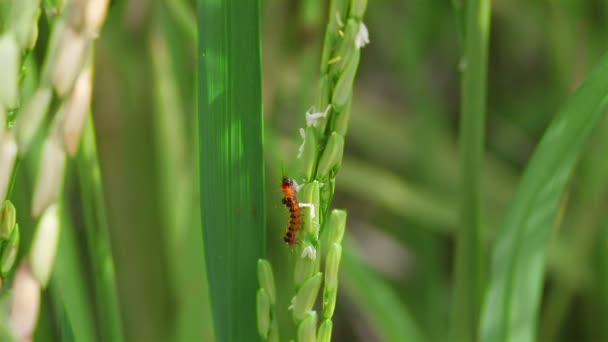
x=469 y=253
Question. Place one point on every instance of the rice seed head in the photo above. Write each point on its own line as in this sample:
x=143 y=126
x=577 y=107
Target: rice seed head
x=303 y=268
x=266 y=279
x=87 y=16
x=9 y=252
x=332 y=265
x=3 y=118
x=76 y=14
x=25 y=303
x=344 y=86
x=324 y=334
x=332 y=155
x=23 y=22
x=309 y=198
x=8 y=220
x=8 y=153
x=44 y=245
x=76 y=111
x=336 y=226
x=325 y=88
x=95 y=14
x=357 y=8
x=341 y=120
x=307 y=330
x=50 y=175
x=69 y=59
x=329 y=302
x=338 y=11
x=9 y=69
x=346 y=47
x=273 y=334
x=309 y=153
x=306 y=296
x=32 y=116
x=263 y=313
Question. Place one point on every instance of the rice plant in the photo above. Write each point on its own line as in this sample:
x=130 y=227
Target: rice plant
x=346 y=170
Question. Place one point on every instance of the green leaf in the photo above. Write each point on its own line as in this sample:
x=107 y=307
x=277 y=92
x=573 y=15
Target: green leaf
x=306 y=297
x=307 y=329
x=263 y=312
x=513 y=298
x=177 y=185
x=324 y=334
x=231 y=172
x=266 y=280
x=377 y=301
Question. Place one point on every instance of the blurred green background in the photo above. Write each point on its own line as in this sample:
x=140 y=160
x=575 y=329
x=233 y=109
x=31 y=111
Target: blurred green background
x=400 y=178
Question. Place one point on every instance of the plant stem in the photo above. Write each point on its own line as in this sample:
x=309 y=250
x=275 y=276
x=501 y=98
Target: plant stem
x=469 y=253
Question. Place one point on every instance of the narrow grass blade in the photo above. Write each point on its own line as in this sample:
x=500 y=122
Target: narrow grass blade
x=231 y=173
x=98 y=237
x=468 y=282
x=377 y=301
x=512 y=301
x=68 y=284
x=184 y=17
x=177 y=184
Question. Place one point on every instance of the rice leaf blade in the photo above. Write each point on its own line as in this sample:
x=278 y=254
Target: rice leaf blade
x=513 y=297
x=231 y=161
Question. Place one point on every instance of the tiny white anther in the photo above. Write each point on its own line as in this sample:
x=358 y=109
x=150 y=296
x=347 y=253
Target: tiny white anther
x=309 y=252
x=301 y=148
x=312 y=119
x=311 y=206
x=362 y=37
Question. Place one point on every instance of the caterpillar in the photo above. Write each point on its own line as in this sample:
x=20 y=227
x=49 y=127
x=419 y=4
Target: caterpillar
x=295 y=214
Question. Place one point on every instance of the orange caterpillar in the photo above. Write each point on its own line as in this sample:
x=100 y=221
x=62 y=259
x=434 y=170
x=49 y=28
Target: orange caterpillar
x=295 y=214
